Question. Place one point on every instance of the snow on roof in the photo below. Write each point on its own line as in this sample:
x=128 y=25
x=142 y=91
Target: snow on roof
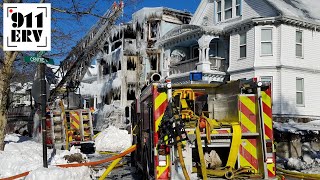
x=298 y=128
x=302 y=9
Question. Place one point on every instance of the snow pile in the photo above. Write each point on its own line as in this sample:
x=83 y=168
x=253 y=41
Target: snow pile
x=113 y=139
x=300 y=164
x=20 y=157
x=27 y=156
x=298 y=128
x=12 y=137
x=59 y=157
x=309 y=160
x=110 y=115
x=56 y=173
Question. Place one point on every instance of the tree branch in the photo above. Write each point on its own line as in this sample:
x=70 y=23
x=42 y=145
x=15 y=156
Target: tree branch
x=76 y=12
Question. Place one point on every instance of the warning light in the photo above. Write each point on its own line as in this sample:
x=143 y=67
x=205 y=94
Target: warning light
x=195 y=76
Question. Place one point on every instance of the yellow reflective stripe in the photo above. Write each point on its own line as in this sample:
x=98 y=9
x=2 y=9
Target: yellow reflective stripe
x=248 y=103
x=160 y=170
x=161 y=98
x=158 y=121
x=267 y=120
x=245 y=121
x=244 y=162
x=271 y=168
x=251 y=149
x=266 y=98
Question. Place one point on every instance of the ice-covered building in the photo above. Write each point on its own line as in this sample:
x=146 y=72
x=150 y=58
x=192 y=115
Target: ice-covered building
x=274 y=40
x=130 y=56
x=21 y=94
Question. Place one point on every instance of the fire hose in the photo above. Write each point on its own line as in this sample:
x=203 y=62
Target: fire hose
x=298 y=174
x=94 y=163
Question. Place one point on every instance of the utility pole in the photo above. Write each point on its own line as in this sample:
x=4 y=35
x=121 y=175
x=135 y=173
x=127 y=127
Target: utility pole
x=43 y=96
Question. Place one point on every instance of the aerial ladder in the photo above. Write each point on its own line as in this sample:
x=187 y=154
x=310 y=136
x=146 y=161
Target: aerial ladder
x=76 y=64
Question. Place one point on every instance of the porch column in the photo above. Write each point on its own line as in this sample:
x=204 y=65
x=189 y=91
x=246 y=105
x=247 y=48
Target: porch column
x=166 y=63
x=207 y=54
x=204 y=64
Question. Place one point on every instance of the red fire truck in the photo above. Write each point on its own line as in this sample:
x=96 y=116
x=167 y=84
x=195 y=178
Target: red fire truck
x=233 y=119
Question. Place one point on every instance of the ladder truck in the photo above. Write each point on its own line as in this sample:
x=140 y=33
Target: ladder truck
x=74 y=126
x=76 y=64
x=177 y=127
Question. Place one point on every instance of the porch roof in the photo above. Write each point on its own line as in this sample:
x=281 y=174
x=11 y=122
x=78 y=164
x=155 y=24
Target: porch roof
x=186 y=32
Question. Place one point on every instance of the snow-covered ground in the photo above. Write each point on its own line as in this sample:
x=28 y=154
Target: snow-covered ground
x=23 y=154
x=19 y=157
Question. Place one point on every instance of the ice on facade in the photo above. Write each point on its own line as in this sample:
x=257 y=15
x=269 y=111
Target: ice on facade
x=142 y=15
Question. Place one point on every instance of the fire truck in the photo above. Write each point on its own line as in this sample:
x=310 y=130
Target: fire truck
x=178 y=128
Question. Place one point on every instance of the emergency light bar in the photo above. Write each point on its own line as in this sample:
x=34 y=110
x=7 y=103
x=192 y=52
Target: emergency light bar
x=195 y=76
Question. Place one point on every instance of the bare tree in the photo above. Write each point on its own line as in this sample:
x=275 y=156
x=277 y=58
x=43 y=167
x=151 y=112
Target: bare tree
x=70 y=13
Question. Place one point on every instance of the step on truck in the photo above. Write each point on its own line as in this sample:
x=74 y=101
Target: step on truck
x=201 y=131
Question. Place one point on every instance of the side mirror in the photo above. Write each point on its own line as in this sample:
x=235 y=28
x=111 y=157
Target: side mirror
x=127 y=111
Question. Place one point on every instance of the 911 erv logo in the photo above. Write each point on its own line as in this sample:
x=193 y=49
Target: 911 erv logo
x=27 y=26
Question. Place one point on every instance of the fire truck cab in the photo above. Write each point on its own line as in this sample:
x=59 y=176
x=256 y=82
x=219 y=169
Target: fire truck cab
x=178 y=127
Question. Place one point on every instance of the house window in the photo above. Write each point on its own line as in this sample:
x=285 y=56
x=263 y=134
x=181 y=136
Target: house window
x=195 y=52
x=266 y=42
x=299 y=50
x=300 y=91
x=227 y=9
x=243 y=45
x=238 y=6
x=219 y=11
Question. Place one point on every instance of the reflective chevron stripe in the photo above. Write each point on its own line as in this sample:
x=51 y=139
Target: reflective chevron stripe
x=160 y=104
x=267 y=115
x=248 y=155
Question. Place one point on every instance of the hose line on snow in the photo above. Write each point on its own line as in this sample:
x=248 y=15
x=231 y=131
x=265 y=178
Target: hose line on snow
x=299 y=174
x=94 y=163
x=109 y=169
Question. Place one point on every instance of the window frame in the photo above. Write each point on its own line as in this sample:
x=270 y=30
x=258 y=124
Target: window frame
x=228 y=9
x=261 y=42
x=238 y=6
x=243 y=45
x=297 y=43
x=300 y=91
x=219 y=12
